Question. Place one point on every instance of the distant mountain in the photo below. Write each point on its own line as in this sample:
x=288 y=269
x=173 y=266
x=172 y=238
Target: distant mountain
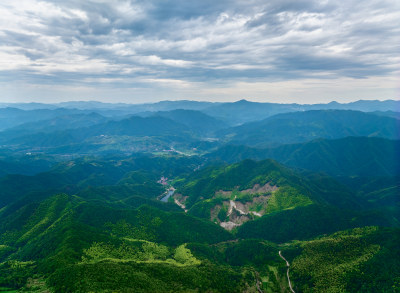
x=233 y=113
x=119 y=110
x=197 y=121
x=245 y=111
x=29 y=106
x=59 y=123
x=180 y=104
x=24 y=166
x=309 y=125
x=387 y=114
x=89 y=105
x=138 y=126
x=350 y=156
x=114 y=110
x=153 y=107
x=11 y=117
x=361 y=105
x=107 y=132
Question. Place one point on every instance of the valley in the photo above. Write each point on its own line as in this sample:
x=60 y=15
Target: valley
x=163 y=198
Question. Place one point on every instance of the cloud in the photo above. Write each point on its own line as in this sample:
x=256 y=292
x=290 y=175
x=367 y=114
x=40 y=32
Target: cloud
x=196 y=44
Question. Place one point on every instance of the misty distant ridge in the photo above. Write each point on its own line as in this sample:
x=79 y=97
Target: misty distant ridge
x=198 y=105
x=216 y=115
x=188 y=126
x=230 y=113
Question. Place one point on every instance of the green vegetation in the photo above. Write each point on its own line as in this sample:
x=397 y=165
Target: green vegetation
x=345 y=262
x=208 y=182
x=139 y=251
x=96 y=224
x=349 y=156
x=286 y=198
x=297 y=127
x=109 y=276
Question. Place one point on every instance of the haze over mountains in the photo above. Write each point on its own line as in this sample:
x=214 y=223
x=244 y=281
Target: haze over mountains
x=195 y=121
x=241 y=184
x=249 y=111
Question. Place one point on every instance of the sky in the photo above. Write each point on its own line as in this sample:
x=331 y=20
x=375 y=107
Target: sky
x=210 y=50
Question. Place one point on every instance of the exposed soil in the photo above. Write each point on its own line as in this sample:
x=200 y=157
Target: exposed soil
x=240 y=212
x=180 y=200
x=257 y=188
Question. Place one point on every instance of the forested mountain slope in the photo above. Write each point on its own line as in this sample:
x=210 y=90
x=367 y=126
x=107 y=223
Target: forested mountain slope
x=309 y=125
x=350 y=156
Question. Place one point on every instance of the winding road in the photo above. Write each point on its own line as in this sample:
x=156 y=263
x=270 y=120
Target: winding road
x=287 y=273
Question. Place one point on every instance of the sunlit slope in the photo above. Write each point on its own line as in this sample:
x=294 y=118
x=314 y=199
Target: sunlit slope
x=358 y=260
x=231 y=195
x=63 y=234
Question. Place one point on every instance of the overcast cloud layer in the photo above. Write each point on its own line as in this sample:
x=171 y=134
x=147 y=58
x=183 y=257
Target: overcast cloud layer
x=144 y=51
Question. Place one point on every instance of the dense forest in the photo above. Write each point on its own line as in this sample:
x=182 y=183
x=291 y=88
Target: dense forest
x=200 y=197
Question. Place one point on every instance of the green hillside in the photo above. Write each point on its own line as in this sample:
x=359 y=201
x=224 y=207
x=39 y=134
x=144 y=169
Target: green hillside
x=359 y=260
x=64 y=235
x=81 y=190
x=254 y=193
x=304 y=126
x=350 y=156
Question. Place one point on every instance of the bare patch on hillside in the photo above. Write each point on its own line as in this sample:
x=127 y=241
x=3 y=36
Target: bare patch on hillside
x=180 y=200
x=257 y=189
x=238 y=208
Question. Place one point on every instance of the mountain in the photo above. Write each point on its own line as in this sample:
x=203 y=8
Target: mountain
x=38 y=111
x=387 y=114
x=233 y=113
x=350 y=156
x=378 y=191
x=245 y=111
x=197 y=121
x=25 y=166
x=138 y=126
x=176 y=105
x=309 y=125
x=361 y=105
x=235 y=194
x=97 y=224
x=11 y=117
x=28 y=106
x=127 y=135
x=353 y=267
x=59 y=123
x=69 y=241
x=166 y=197
x=74 y=177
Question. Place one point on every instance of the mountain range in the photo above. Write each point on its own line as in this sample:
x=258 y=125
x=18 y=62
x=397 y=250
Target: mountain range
x=185 y=196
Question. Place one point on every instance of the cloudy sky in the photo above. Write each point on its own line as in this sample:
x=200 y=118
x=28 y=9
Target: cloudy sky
x=144 y=51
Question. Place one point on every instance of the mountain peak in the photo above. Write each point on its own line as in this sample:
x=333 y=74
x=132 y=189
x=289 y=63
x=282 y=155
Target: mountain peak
x=242 y=101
